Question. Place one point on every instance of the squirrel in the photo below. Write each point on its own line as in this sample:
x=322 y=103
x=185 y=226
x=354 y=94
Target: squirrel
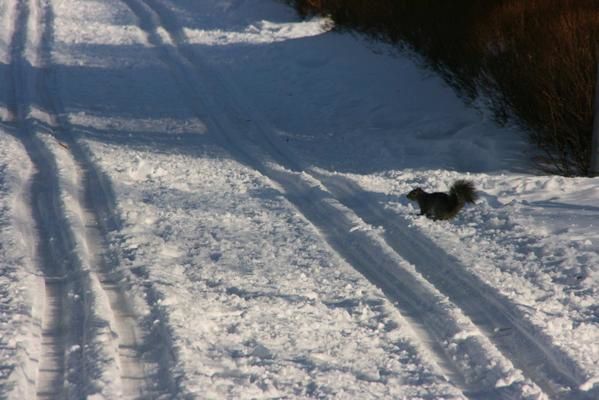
x=439 y=205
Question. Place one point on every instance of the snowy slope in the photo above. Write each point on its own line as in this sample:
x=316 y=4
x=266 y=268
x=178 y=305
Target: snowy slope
x=206 y=199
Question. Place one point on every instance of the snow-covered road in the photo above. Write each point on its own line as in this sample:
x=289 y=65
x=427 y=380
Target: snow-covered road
x=206 y=199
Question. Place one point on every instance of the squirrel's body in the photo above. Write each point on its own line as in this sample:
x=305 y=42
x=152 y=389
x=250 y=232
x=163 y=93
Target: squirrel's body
x=442 y=205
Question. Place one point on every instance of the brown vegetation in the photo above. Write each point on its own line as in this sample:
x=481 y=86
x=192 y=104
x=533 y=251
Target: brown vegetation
x=534 y=59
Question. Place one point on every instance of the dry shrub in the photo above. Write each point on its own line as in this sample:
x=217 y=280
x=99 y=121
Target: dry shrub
x=538 y=63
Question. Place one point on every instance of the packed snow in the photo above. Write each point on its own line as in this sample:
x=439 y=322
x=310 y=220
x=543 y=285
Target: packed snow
x=206 y=199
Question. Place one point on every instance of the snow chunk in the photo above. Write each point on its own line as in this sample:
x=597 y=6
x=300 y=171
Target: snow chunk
x=261 y=33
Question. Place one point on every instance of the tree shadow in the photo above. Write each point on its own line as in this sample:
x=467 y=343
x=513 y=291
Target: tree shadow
x=292 y=93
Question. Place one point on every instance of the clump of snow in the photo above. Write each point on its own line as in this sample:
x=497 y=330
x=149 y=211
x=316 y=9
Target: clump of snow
x=263 y=32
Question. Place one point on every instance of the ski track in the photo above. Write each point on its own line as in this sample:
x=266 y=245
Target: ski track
x=44 y=209
x=146 y=356
x=336 y=206
x=67 y=326
x=139 y=372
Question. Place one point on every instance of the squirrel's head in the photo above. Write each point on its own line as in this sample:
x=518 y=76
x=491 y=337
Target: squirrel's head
x=415 y=194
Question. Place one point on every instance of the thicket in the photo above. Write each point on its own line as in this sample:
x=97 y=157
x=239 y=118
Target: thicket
x=535 y=60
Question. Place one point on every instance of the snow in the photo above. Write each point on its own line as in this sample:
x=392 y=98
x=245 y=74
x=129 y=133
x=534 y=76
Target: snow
x=262 y=32
x=19 y=280
x=210 y=197
x=244 y=282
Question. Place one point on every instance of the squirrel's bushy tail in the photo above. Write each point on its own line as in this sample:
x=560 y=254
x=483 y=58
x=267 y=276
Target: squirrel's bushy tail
x=463 y=191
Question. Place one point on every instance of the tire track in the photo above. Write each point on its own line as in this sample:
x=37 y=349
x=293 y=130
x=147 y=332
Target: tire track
x=439 y=323
x=73 y=352
x=51 y=368
x=125 y=336
x=54 y=241
x=141 y=374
